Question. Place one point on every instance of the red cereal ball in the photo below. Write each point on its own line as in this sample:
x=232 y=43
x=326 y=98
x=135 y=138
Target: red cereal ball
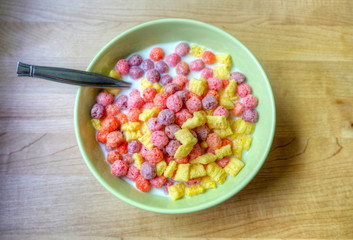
x=238 y=109
x=168 y=158
x=182 y=49
x=166 y=117
x=171 y=88
x=122 y=119
x=135 y=60
x=214 y=93
x=154 y=125
x=208 y=57
x=209 y=102
x=160 y=100
x=136 y=73
x=210 y=150
x=143 y=184
x=123 y=67
x=133 y=115
x=112 y=110
x=172 y=147
x=182 y=116
x=225 y=82
x=158 y=182
x=214 y=141
x=153 y=76
x=132 y=173
x=237 y=76
x=144 y=151
x=97 y=111
x=223 y=162
x=134 y=92
x=109 y=149
x=226 y=141
x=148 y=94
x=147 y=64
x=171 y=130
x=250 y=115
x=121 y=102
x=183 y=94
x=148 y=170
x=214 y=83
x=162 y=67
x=114 y=139
x=182 y=68
x=243 y=90
x=157 y=54
x=114 y=156
x=193 y=182
x=173 y=59
x=104 y=98
x=174 y=103
x=128 y=159
x=135 y=102
x=159 y=139
x=102 y=136
x=207 y=73
x=197 y=65
x=165 y=187
x=154 y=155
x=147 y=105
x=166 y=79
x=182 y=160
x=180 y=80
x=119 y=168
x=123 y=148
x=202 y=132
x=134 y=146
x=110 y=123
x=250 y=101
x=193 y=104
x=195 y=152
x=221 y=111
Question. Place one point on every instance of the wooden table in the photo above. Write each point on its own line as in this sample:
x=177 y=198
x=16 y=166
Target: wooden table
x=305 y=188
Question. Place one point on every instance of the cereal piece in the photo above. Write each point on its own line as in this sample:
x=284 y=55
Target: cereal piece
x=136 y=73
x=123 y=67
x=223 y=133
x=133 y=115
x=174 y=103
x=169 y=171
x=166 y=79
x=223 y=151
x=157 y=54
x=154 y=125
x=102 y=135
x=223 y=162
x=133 y=126
x=182 y=160
x=160 y=168
x=132 y=173
x=149 y=113
x=221 y=111
x=204 y=145
x=148 y=170
x=135 y=102
x=231 y=88
x=197 y=65
x=104 y=98
x=214 y=83
x=193 y=104
x=182 y=116
x=158 y=182
x=122 y=148
x=183 y=94
x=208 y=57
x=97 y=111
x=154 y=155
x=119 y=168
x=194 y=190
x=217 y=122
x=183 y=151
x=159 y=139
x=142 y=184
x=171 y=130
x=162 y=67
x=225 y=59
x=147 y=64
x=180 y=80
x=225 y=82
x=202 y=132
x=246 y=142
x=96 y=123
x=197 y=170
x=114 y=156
x=138 y=159
x=221 y=72
x=185 y=137
x=146 y=140
x=249 y=128
x=148 y=94
x=205 y=158
x=134 y=146
x=238 y=109
x=182 y=69
x=243 y=90
x=121 y=102
x=214 y=141
x=196 y=151
x=216 y=172
x=226 y=141
x=173 y=59
x=196 y=51
x=172 y=147
x=208 y=183
x=171 y=88
x=250 y=115
x=250 y=101
x=226 y=102
x=182 y=173
x=144 y=150
x=166 y=117
x=132 y=135
x=234 y=167
x=134 y=92
x=207 y=73
x=198 y=86
x=153 y=76
x=177 y=191
x=238 y=77
x=114 y=74
x=112 y=110
x=209 y=102
x=144 y=83
x=182 y=49
x=114 y=139
x=160 y=101
x=128 y=159
x=135 y=60
x=193 y=182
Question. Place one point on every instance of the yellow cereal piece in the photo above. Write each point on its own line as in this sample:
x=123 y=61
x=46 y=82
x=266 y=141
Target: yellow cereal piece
x=197 y=170
x=158 y=87
x=169 y=171
x=146 y=140
x=216 y=172
x=235 y=124
x=237 y=151
x=96 y=123
x=223 y=133
x=242 y=126
x=234 y=136
x=205 y=158
x=221 y=91
x=225 y=59
x=132 y=135
x=224 y=151
x=113 y=91
x=183 y=151
x=231 y=89
x=209 y=112
x=197 y=120
x=246 y=142
x=208 y=183
x=138 y=159
x=145 y=128
x=198 y=86
x=177 y=191
x=233 y=167
x=144 y=83
x=250 y=127
x=221 y=72
x=160 y=168
x=115 y=74
x=196 y=51
x=226 y=102
x=149 y=113
x=182 y=173
x=194 y=190
x=185 y=137
x=204 y=144
x=132 y=126
x=217 y=122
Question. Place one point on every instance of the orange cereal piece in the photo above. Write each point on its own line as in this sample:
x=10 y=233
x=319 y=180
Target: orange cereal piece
x=214 y=93
x=180 y=80
x=122 y=119
x=110 y=123
x=113 y=156
x=114 y=139
x=143 y=184
x=208 y=57
x=214 y=141
x=157 y=54
x=238 y=109
x=225 y=83
x=182 y=160
x=226 y=141
x=123 y=148
x=112 y=110
x=133 y=115
x=102 y=136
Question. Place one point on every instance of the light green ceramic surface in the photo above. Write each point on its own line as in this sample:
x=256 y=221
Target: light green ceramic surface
x=172 y=30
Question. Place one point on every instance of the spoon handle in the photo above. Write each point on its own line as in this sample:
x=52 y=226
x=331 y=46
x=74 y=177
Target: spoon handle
x=70 y=76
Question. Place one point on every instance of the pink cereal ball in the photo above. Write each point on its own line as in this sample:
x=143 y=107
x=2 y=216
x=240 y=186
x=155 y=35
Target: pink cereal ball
x=243 y=90
x=250 y=101
x=121 y=102
x=136 y=73
x=166 y=117
x=197 y=65
x=147 y=105
x=170 y=131
x=210 y=150
x=173 y=59
x=182 y=116
x=154 y=125
x=148 y=170
x=195 y=152
x=97 y=111
x=182 y=69
x=207 y=73
x=166 y=79
x=221 y=111
x=134 y=146
x=165 y=187
x=158 y=182
x=162 y=67
x=134 y=92
x=193 y=182
x=183 y=94
x=171 y=88
x=214 y=83
x=147 y=64
x=237 y=76
x=182 y=49
x=180 y=80
x=148 y=94
x=193 y=133
x=135 y=102
x=135 y=60
x=250 y=115
x=193 y=104
x=104 y=98
x=209 y=102
x=132 y=173
x=154 y=155
x=123 y=67
x=223 y=162
x=153 y=76
x=128 y=159
x=174 y=103
x=119 y=168
x=159 y=139
x=160 y=100
x=202 y=132
x=144 y=151
x=238 y=109
x=172 y=146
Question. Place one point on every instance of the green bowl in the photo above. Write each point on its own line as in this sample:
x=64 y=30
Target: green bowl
x=172 y=30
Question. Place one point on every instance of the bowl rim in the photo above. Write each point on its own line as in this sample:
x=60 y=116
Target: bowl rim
x=220 y=199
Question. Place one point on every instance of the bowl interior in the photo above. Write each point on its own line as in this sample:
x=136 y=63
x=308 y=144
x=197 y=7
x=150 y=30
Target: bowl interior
x=172 y=30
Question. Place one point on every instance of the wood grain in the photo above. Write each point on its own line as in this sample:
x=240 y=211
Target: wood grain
x=304 y=189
